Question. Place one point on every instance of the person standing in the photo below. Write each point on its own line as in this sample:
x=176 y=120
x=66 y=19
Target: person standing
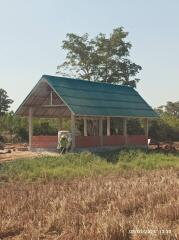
x=63 y=144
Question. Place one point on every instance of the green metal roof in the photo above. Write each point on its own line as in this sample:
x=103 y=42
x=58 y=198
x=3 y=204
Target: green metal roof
x=99 y=99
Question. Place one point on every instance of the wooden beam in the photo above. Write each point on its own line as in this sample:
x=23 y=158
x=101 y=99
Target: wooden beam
x=51 y=106
x=85 y=126
x=101 y=131
x=125 y=129
x=108 y=126
x=30 y=127
x=51 y=97
x=90 y=117
x=73 y=131
x=103 y=116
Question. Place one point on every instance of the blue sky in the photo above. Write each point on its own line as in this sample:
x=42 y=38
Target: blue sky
x=31 y=34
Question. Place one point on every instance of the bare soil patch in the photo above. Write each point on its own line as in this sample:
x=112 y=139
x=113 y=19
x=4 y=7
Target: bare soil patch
x=19 y=151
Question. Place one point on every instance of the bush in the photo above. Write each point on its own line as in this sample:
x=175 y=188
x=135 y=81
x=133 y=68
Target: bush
x=165 y=128
x=2 y=139
x=22 y=134
x=44 y=128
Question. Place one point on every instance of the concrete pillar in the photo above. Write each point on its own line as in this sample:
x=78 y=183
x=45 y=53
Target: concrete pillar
x=73 y=131
x=125 y=129
x=85 y=127
x=146 y=128
x=108 y=126
x=30 y=127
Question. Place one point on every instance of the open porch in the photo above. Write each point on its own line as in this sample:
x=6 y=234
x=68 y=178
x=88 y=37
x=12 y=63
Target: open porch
x=91 y=108
x=100 y=135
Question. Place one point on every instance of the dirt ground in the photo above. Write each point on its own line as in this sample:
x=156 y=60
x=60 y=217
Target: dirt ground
x=18 y=151
x=26 y=154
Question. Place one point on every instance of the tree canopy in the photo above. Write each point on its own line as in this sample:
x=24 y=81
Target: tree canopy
x=171 y=108
x=5 y=102
x=102 y=58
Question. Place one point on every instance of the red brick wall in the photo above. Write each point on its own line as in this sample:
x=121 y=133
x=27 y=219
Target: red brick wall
x=44 y=141
x=136 y=140
x=113 y=140
x=87 y=141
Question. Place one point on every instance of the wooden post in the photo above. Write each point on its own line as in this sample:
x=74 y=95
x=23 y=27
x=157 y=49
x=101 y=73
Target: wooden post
x=85 y=127
x=73 y=131
x=146 y=128
x=51 y=97
x=108 y=126
x=125 y=129
x=61 y=124
x=101 y=131
x=30 y=127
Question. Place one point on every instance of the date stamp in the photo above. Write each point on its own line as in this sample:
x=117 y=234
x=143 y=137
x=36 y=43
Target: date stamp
x=150 y=231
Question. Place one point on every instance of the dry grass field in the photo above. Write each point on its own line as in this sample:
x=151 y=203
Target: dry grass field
x=108 y=207
x=126 y=195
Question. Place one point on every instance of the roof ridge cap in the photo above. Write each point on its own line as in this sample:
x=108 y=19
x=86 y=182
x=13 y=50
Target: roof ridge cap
x=89 y=81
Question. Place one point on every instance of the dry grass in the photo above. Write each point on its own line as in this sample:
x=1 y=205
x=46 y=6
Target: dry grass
x=102 y=208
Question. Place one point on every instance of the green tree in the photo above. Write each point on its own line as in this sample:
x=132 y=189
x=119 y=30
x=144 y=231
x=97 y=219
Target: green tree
x=166 y=126
x=5 y=102
x=172 y=108
x=12 y=125
x=102 y=58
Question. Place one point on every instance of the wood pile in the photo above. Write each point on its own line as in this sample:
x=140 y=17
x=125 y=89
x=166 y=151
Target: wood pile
x=167 y=146
x=5 y=151
x=9 y=148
